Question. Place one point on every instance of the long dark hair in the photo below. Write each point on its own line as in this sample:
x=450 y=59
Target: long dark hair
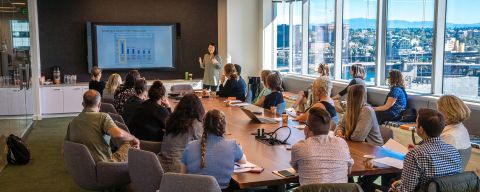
x=131 y=78
x=188 y=109
x=214 y=124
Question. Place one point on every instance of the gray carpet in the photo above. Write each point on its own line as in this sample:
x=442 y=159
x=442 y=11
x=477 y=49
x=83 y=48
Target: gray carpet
x=46 y=171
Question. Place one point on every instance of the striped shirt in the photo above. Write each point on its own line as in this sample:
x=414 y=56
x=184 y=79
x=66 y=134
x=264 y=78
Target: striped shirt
x=433 y=158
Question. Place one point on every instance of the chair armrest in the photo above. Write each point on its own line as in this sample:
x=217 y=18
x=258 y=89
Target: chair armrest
x=152 y=146
x=112 y=174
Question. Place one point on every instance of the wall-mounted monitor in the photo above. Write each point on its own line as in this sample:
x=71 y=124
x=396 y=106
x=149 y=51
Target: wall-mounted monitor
x=134 y=46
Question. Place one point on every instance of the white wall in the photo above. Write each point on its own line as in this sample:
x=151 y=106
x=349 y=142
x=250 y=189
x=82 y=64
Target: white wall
x=243 y=33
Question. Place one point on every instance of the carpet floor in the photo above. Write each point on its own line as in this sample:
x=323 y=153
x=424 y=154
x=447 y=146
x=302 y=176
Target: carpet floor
x=46 y=171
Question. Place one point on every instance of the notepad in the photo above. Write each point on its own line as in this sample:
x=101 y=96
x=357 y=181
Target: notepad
x=241 y=168
x=390 y=162
x=395 y=146
x=241 y=104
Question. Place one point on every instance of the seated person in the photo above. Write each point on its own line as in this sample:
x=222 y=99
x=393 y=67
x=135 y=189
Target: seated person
x=92 y=129
x=359 y=122
x=455 y=112
x=322 y=87
x=96 y=83
x=321 y=158
x=258 y=101
x=357 y=72
x=135 y=101
x=274 y=83
x=230 y=84
x=432 y=158
x=396 y=101
x=125 y=91
x=185 y=124
x=114 y=81
x=213 y=155
x=242 y=81
x=148 y=122
x=323 y=70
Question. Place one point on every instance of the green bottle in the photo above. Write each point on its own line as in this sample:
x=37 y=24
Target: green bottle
x=186 y=75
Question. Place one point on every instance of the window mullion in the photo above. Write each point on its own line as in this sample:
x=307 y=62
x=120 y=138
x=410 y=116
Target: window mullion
x=381 y=45
x=337 y=64
x=305 y=32
x=439 y=46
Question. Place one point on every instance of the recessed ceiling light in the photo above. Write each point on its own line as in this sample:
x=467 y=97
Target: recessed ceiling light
x=18 y=3
x=7 y=7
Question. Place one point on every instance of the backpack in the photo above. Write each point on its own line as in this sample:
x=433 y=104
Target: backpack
x=18 y=153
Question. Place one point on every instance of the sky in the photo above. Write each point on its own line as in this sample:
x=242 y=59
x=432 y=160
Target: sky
x=458 y=11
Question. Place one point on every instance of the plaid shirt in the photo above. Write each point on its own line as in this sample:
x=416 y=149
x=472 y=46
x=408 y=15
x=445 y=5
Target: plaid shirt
x=433 y=158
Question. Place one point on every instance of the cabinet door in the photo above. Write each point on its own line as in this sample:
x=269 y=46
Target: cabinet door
x=72 y=99
x=29 y=101
x=16 y=102
x=52 y=100
x=4 y=106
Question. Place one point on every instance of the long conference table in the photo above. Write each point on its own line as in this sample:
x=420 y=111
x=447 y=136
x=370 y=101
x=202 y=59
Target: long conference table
x=275 y=158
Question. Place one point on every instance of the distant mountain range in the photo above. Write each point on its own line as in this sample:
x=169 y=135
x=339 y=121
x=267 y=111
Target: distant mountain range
x=359 y=23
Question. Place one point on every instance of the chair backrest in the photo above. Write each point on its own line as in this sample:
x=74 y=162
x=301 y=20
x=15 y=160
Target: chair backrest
x=144 y=169
x=465 y=182
x=465 y=154
x=116 y=117
x=107 y=100
x=188 y=183
x=181 y=88
x=337 y=187
x=152 y=146
x=80 y=164
x=281 y=108
x=386 y=133
x=108 y=108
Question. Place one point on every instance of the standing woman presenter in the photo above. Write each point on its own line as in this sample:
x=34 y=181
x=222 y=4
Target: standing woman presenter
x=212 y=65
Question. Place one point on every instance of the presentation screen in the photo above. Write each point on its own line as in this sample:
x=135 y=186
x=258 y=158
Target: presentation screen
x=134 y=46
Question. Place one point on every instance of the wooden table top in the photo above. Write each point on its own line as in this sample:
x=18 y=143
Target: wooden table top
x=274 y=158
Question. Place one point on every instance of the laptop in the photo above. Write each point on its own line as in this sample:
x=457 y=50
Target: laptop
x=254 y=118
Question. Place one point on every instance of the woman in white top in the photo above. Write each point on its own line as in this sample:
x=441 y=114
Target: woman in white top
x=455 y=112
x=114 y=81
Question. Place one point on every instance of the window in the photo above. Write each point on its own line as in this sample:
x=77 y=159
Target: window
x=409 y=41
x=321 y=34
x=359 y=37
x=297 y=36
x=20 y=34
x=281 y=19
x=462 y=49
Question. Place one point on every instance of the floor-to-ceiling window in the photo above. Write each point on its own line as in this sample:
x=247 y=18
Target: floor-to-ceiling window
x=461 y=70
x=321 y=34
x=409 y=41
x=359 y=37
x=281 y=19
x=296 y=28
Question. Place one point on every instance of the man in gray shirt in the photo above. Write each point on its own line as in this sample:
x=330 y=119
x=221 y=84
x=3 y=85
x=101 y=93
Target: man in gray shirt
x=321 y=158
x=94 y=129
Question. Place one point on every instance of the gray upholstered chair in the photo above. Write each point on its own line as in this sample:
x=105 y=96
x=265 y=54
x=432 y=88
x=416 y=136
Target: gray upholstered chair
x=107 y=100
x=465 y=154
x=145 y=170
x=386 y=133
x=332 y=187
x=107 y=108
x=188 y=183
x=181 y=88
x=116 y=117
x=152 y=146
x=465 y=182
x=90 y=175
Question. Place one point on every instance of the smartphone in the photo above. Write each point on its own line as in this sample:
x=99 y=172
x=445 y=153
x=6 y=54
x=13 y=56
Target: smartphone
x=285 y=173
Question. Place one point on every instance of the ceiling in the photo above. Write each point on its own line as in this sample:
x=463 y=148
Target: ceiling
x=12 y=6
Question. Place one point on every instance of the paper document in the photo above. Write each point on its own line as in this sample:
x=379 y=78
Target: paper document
x=390 y=162
x=395 y=146
x=240 y=168
x=233 y=101
x=241 y=104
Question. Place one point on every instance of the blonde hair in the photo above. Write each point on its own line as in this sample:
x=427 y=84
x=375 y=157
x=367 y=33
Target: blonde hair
x=113 y=82
x=453 y=108
x=214 y=123
x=321 y=86
x=230 y=71
x=263 y=76
x=355 y=102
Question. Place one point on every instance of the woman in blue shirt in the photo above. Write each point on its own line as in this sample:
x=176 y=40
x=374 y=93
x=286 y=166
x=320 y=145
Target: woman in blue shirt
x=396 y=101
x=213 y=155
x=230 y=85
